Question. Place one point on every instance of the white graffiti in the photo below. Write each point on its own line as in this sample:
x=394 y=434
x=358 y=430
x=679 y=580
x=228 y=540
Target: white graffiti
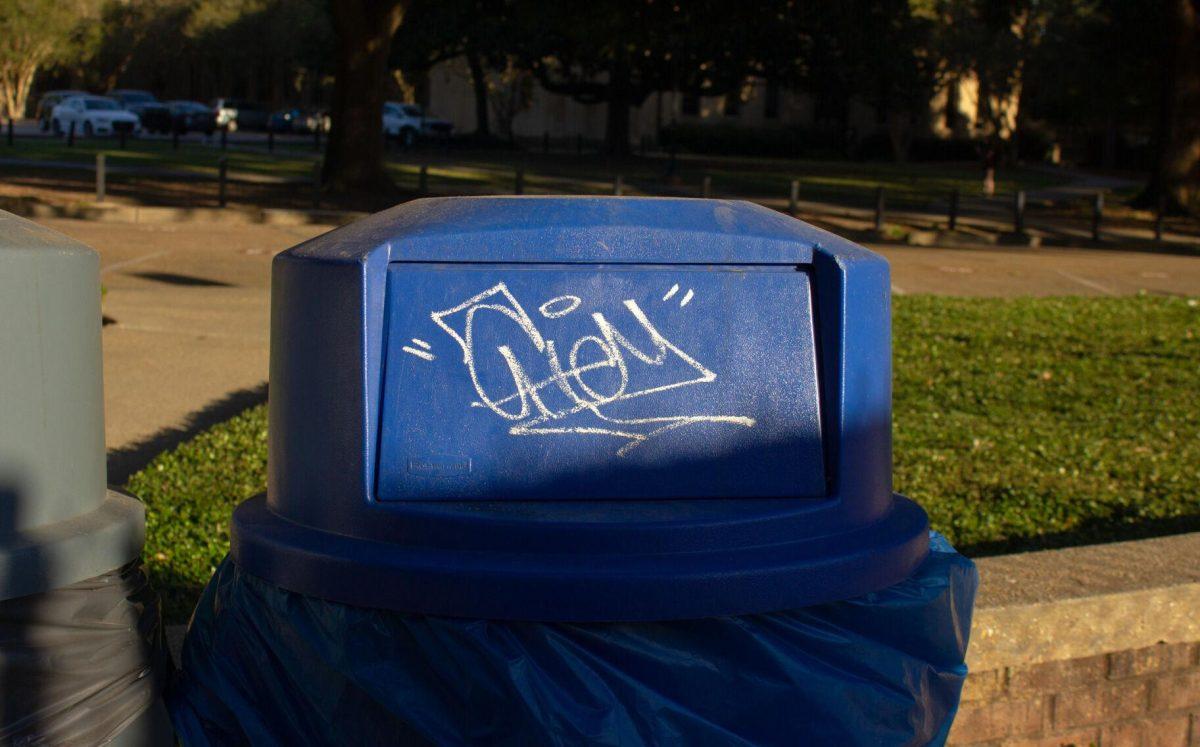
x=423 y=353
x=530 y=403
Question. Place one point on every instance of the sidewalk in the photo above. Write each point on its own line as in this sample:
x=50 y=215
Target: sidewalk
x=187 y=326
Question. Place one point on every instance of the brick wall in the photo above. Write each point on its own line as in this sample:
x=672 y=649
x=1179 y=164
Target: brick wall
x=1140 y=697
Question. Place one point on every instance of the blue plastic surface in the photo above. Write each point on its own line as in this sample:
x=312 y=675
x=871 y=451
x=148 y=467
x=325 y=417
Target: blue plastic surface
x=387 y=488
x=264 y=666
x=502 y=382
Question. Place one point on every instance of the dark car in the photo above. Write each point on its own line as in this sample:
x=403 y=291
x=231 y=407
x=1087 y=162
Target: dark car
x=154 y=114
x=299 y=121
x=48 y=101
x=192 y=116
x=240 y=114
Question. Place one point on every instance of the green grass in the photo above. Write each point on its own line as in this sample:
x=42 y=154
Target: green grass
x=490 y=172
x=1037 y=422
x=1018 y=424
x=191 y=156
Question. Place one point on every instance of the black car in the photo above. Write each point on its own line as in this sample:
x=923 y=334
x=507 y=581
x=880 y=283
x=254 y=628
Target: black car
x=192 y=116
x=48 y=101
x=154 y=114
x=298 y=121
x=239 y=114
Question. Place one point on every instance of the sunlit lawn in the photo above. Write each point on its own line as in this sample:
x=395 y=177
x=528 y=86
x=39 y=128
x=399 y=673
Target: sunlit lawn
x=1018 y=424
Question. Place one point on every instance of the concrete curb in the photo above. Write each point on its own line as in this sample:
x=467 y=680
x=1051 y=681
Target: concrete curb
x=1081 y=601
x=243 y=215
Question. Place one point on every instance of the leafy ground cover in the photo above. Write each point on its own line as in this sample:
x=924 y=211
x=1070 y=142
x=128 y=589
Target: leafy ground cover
x=1019 y=423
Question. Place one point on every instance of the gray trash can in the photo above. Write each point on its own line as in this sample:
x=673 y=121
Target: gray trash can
x=81 y=653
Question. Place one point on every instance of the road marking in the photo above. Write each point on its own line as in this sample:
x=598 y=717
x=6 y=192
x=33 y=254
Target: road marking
x=1087 y=283
x=134 y=261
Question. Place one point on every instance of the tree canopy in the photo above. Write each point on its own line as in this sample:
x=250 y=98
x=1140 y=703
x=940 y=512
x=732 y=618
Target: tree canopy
x=1109 y=70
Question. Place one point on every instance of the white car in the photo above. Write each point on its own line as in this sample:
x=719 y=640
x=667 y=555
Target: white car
x=405 y=122
x=93 y=115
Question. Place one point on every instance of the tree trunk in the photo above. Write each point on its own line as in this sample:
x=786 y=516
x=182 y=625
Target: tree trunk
x=900 y=133
x=16 y=81
x=620 y=100
x=354 y=156
x=479 y=86
x=1177 y=133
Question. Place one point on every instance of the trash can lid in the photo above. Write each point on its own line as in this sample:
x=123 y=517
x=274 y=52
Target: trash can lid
x=58 y=522
x=580 y=409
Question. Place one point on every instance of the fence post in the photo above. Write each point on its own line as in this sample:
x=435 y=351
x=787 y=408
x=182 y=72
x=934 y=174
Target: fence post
x=175 y=137
x=952 y=215
x=316 y=184
x=222 y=166
x=545 y=141
x=794 y=197
x=317 y=138
x=423 y=180
x=101 y=178
x=1019 y=211
x=619 y=185
x=879 y=208
x=271 y=141
x=1158 y=217
x=579 y=145
x=71 y=136
x=519 y=186
x=121 y=138
x=10 y=131
x=706 y=187
x=1097 y=215
x=224 y=136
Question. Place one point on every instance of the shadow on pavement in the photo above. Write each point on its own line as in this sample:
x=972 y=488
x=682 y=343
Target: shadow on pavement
x=1089 y=532
x=171 y=278
x=125 y=461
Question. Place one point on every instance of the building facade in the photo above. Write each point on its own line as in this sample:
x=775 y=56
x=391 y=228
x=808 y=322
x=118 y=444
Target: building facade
x=521 y=108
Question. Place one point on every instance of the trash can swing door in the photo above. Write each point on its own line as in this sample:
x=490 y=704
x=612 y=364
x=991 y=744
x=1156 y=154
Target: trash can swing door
x=593 y=382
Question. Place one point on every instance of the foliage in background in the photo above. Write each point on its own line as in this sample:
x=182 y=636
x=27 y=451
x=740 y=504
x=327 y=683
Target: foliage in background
x=876 y=52
x=618 y=53
x=33 y=33
x=196 y=49
x=1119 y=73
x=1018 y=424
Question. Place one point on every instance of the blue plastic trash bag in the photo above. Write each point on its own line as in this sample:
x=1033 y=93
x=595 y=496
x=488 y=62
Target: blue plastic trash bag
x=265 y=666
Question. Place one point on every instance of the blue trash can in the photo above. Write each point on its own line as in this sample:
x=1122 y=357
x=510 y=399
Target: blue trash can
x=579 y=471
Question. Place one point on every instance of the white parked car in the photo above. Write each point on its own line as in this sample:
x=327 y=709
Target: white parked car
x=93 y=115
x=406 y=121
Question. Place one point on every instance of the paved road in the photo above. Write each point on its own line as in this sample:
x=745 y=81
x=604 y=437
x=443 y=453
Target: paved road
x=190 y=304
x=189 y=342
x=1040 y=272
